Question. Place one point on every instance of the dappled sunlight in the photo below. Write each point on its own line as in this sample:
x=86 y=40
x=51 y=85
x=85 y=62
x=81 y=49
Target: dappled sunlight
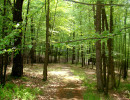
x=61 y=73
x=71 y=78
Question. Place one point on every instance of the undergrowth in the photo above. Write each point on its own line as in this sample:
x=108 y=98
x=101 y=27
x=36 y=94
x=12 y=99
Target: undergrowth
x=13 y=92
x=125 y=89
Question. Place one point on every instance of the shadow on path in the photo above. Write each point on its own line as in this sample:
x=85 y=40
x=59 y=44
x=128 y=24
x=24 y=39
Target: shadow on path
x=65 y=85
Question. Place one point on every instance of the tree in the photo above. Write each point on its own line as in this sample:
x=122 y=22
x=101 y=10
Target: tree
x=47 y=41
x=17 y=69
x=110 y=49
x=98 y=49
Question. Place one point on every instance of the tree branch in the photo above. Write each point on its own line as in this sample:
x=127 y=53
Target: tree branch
x=95 y=38
x=83 y=3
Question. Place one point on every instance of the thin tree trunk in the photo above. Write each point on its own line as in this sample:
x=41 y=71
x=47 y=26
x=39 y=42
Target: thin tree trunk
x=26 y=19
x=125 y=62
x=82 y=55
x=47 y=41
x=67 y=55
x=103 y=47
x=73 y=51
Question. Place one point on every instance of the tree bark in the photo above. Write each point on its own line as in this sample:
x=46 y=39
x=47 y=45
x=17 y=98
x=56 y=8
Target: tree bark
x=47 y=41
x=125 y=62
x=82 y=55
x=98 y=49
x=17 y=69
x=110 y=49
x=73 y=51
x=103 y=47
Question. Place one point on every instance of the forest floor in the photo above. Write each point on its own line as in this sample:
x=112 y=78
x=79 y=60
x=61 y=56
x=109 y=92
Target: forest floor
x=64 y=82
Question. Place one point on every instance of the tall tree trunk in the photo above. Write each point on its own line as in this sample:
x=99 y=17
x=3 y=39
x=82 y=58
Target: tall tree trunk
x=103 y=47
x=98 y=49
x=47 y=41
x=110 y=49
x=3 y=34
x=17 y=69
x=125 y=62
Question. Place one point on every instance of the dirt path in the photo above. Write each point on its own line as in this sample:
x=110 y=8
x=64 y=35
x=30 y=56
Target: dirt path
x=63 y=85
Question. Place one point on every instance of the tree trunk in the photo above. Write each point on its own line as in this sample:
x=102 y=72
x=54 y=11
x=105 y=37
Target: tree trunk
x=67 y=55
x=73 y=51
x=125 y=62
x=98 y=49
x=110 y=49
x=3 y=34
x=17 y=69
x=47 y=41
x=82 y=55
x=103 y=46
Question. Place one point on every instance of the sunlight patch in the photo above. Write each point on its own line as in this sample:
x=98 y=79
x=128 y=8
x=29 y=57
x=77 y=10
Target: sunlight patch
x=62 y=73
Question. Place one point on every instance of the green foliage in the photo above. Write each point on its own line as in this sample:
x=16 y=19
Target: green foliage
x=12 y=91
x=91 y=96
x=124 y=87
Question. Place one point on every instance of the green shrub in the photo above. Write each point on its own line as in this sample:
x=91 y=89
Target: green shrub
x=12 y=91
x=91 y=96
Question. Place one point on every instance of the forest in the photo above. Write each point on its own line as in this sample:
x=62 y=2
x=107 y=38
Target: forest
x=64 y=49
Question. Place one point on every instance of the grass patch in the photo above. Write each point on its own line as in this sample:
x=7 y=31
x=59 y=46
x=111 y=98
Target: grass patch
x=91 y=96
x=123 y=87
x=12 y=91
